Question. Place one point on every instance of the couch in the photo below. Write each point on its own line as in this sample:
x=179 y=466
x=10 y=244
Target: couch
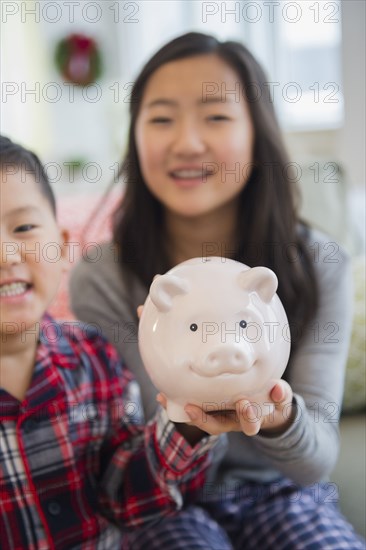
x=350 y=472
x=339 y=210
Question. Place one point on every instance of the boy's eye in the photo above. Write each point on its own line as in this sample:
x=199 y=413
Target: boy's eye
x=24 y=227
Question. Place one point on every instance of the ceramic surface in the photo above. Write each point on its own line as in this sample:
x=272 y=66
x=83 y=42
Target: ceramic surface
x=214 y=331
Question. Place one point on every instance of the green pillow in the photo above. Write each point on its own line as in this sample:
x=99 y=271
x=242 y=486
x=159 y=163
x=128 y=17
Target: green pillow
x=355 y=383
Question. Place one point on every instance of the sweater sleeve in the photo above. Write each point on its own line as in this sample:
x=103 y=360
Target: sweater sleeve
x=308 y=450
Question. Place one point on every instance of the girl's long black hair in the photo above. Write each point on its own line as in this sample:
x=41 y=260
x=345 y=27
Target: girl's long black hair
x=269 y=230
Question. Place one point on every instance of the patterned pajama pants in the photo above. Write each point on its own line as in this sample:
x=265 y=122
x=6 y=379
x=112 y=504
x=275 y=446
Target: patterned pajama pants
x=276 y=516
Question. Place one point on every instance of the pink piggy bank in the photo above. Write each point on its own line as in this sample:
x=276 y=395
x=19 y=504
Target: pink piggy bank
x=213 y=331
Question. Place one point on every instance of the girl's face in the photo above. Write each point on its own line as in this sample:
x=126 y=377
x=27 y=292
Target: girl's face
x=194 y=135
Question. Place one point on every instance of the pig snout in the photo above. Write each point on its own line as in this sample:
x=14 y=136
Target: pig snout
x=225 y=360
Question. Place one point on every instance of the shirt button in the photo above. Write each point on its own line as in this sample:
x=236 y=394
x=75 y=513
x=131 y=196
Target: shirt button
x=30 y=425
x=54 y=508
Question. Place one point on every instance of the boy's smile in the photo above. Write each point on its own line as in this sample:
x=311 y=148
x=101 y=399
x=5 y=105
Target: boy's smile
x=13 y=290
x=32 y=253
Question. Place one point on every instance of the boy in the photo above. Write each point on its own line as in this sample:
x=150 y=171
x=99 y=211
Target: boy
x=74 y=459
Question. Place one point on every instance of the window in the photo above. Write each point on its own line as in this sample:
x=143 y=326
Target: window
x=308 y=65
x=298 y=44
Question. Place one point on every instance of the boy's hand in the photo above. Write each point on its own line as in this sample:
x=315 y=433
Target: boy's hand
x=193 y=434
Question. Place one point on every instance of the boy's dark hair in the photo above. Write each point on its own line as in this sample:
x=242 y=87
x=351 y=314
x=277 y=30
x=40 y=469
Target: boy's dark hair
x=15 y=157
x=268 y=224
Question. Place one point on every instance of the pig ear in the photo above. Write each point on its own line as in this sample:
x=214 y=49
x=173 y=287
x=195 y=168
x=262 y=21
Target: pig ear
x=164 y=288
x=261 y=280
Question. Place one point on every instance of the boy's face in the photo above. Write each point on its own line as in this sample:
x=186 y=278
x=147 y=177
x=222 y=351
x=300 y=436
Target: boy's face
x=33 y=253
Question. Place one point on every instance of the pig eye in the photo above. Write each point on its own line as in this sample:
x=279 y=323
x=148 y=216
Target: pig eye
x=193 y=327
x=243 y=324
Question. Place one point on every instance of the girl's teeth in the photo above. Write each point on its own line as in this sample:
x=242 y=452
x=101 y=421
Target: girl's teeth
x=188 y=174
x=13 y=289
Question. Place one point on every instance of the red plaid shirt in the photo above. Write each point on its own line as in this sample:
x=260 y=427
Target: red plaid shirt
x=75 y=459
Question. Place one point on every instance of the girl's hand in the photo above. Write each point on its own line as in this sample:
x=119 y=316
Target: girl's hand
x=248 y=417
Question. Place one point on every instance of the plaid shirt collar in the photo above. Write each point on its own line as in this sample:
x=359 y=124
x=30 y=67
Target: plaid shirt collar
x=54 y=351
x=54 y=345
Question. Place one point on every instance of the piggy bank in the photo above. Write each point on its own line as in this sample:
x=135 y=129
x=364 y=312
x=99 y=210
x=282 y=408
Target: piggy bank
x=213 y=331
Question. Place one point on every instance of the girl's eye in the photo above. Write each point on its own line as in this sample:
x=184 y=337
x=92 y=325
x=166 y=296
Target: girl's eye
x=193 y=327
x=160 y=120
x=243 y=324
x=23 y=228
x=216 y=118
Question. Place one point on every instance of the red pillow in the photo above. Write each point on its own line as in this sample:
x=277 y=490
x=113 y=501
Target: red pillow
x=88 y=219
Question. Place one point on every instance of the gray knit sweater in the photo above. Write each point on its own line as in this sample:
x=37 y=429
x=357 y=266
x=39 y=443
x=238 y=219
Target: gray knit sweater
x=308 y=450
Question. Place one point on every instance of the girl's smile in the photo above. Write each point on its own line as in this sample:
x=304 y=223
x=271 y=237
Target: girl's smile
x=191 y=175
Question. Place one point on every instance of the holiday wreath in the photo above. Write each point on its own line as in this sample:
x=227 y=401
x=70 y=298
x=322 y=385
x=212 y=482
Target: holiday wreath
x=78 y=59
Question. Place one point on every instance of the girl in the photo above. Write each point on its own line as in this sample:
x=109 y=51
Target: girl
x=207 y=174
